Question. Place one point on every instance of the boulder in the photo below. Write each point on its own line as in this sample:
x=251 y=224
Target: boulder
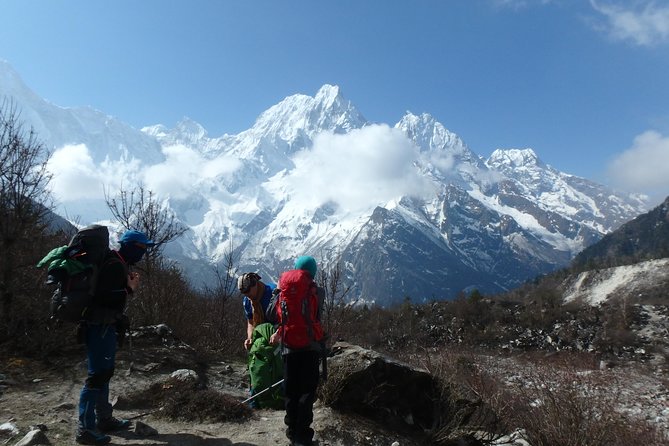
x=383 y=389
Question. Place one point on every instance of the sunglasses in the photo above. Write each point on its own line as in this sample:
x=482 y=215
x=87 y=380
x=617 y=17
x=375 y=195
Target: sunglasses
x=247 y=289
x=140 y=245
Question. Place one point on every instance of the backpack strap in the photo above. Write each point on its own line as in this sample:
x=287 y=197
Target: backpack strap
x=106 y=262
x=312 y=292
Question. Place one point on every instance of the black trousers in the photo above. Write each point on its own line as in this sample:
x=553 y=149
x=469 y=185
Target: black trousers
x=300 y=372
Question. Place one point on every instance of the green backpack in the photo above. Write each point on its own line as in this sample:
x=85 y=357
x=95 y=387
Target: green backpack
x=265 y=368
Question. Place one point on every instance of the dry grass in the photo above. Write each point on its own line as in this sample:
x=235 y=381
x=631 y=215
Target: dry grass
x=558 y=402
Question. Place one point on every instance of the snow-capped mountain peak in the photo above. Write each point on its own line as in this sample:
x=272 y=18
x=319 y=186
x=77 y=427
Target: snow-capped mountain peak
x=328 y=95
x=187 y=131
x=445 y=156
x=514 y=158
x=13 y=85
x=300 y=114
x=429 y=134
x=191 y=128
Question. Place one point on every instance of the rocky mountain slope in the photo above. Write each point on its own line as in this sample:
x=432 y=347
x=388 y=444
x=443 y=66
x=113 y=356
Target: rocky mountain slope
x=627 y=264
x=645 y=237
x=640 y=282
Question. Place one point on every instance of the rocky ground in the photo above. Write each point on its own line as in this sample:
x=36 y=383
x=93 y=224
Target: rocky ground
x=43 y=394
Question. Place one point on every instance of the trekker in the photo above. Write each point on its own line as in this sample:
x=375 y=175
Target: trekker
x=256 y=299
x=297 y=310
x=101 y=331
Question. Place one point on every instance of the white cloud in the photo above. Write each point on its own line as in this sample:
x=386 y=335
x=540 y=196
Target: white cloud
x=358 y=170
x=443 y=161
x=644 y=167
x=183 y=170
x=647 y=24
x=76 y=177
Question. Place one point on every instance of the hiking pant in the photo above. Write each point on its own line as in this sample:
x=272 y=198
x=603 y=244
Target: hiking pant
x=300 y=371
x=101 y=353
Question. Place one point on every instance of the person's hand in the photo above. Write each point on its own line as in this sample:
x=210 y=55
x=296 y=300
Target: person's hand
x=133 y=280
x=247 y=344
x=274 y=339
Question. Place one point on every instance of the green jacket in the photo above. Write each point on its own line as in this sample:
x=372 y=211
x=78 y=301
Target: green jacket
x=265 y=367
x=57 y=260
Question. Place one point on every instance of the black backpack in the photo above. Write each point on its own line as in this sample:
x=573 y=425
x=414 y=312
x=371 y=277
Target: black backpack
x=75 y=269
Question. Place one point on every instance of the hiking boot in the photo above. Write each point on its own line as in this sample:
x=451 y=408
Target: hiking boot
x=113 y=424
x=88 y=436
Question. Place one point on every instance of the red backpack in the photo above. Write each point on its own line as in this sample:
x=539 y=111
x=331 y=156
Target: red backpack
x=297 y=310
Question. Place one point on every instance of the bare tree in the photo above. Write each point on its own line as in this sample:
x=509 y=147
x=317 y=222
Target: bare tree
x=226 y=278
x=224 y=322
x=24 y=202
x=336 y=291
x=140 y=209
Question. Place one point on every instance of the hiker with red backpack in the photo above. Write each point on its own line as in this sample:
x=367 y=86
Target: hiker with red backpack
x=297 y=311
x=105 y=319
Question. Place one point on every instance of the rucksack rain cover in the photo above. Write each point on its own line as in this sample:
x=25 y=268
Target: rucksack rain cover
x=297 y=309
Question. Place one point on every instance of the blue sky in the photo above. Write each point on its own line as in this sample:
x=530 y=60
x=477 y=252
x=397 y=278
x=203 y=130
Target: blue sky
x=584 y=83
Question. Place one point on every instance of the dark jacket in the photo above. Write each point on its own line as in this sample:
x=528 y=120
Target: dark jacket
x=112 y=283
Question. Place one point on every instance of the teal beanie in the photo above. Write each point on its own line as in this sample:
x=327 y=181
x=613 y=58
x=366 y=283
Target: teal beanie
x=308 y=264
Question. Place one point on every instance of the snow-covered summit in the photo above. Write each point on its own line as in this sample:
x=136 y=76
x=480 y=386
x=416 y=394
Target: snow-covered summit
x=429 y=134
x=301 y=115
x=13 y=86
x=328 y=95
x=514 y=158
x=445 y=155
x=187 y=131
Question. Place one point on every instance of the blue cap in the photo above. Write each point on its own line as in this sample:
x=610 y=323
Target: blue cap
x=137 y=237
x=308 y=264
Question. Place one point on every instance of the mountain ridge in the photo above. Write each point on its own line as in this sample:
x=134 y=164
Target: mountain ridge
x=404 y=208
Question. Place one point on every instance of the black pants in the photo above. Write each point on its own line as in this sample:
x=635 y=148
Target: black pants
x=300 y=371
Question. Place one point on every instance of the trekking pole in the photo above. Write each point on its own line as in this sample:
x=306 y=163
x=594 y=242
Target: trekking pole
x=263 y=391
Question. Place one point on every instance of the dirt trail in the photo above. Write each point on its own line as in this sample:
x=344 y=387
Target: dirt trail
x=38 y=393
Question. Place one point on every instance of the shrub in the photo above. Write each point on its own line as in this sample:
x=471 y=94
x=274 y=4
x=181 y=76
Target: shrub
x=187 y=401
x=469 y=400
x=206 y=320
x=561 y=401
x=562 y=406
